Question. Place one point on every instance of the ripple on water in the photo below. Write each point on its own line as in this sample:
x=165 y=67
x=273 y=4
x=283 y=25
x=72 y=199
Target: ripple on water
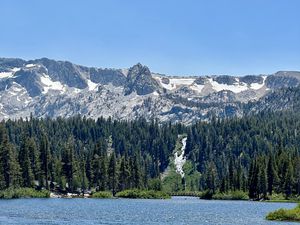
x=178 y=210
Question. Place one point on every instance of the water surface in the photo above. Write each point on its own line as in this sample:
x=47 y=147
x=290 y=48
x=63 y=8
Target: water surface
x=178 y=210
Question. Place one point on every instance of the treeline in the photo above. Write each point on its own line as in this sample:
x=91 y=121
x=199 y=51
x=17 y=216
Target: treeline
x=77 y=154
x=256 y=154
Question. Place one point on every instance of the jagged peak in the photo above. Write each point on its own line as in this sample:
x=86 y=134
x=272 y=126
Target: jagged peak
x=139 y=68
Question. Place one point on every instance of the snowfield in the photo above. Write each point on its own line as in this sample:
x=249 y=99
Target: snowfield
x=237 y=87
x=91 y=85
x=49 y=84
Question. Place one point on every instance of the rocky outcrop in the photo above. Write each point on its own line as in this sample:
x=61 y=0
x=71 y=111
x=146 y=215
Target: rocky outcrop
x=139 y=79
x=49 y=88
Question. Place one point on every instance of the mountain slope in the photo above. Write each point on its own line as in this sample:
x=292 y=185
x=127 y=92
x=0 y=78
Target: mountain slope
x=49 y=88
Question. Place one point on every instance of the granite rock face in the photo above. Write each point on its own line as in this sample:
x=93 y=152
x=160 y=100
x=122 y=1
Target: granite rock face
x=50 y=88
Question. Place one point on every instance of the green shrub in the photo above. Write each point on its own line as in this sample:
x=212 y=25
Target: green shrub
x=285 y=214
x=206 y=194
x=23 y=193
x=232 y=195
x=279 y=197
x=102 y=194
x=155 y=184
x=144 y=194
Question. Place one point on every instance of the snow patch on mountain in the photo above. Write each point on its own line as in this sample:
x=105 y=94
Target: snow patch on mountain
x=6 y=74
x=257 y=86
x=30 y=65
x=196 y=87
x=174 y=83
x=235 y=88
x=91 y=85
x=49 y=84
x=155 y=93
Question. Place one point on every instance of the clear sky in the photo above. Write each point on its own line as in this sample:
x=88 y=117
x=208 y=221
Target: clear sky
x=175 y=37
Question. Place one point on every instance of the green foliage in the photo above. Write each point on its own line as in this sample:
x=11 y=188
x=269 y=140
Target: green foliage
x=155 y=184
x=23 y=193
x=102 y=194
x=78 y=154
x=172 y=182
x=285 y=214
x=207 y=194
x=258 y=154
x=280 y=197
x=145 y=194
x=232 y=195
x=192 y=177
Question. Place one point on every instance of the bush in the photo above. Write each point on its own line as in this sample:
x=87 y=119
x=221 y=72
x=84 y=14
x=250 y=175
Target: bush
x=206 y=194
x=144 y=194
x=23 y=193
x=285 y=214
x=232 y=195
x=155 y=184
x=102 y=194
x=279 y=197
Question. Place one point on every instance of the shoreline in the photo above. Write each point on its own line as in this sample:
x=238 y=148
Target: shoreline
x=134 y=194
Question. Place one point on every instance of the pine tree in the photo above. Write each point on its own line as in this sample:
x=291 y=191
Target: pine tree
x=288 y=180
x=25 y=163
x=124 y=174
x=9 y=165
x=272 y=174
x=45 y=160
x=211 y=177
x=262 y=181
x=69 y=165
x=136 y=173
x=34 y=156
x=112 y=174
x=253 y=180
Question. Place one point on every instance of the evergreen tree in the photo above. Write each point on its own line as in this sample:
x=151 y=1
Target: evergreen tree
x=25 y=163
x=112 y=174
x=45 y=161
x=272 y=174
x=9 y=165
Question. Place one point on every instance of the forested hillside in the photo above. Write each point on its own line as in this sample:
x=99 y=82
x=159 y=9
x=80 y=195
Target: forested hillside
x=80 y=153
x=256 y=154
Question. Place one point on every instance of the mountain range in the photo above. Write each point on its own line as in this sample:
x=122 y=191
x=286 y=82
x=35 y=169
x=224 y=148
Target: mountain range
x=49 y=88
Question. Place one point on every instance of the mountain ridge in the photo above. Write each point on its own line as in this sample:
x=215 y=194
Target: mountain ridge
x=49 y=88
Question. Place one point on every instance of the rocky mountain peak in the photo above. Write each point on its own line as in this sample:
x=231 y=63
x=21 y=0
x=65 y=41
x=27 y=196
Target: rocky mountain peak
x=46 y=87
x=139 y=79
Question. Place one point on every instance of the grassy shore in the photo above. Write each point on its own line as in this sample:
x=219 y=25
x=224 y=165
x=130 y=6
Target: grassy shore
x=143 y=194
x=232 y=195
x=282 y=198
x=102 y=194
x=23 y=193
x=292 y=215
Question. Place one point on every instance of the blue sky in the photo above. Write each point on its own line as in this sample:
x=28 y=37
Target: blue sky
x=175 y=37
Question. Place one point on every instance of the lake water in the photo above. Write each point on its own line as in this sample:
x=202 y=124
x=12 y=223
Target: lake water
x=178 y=210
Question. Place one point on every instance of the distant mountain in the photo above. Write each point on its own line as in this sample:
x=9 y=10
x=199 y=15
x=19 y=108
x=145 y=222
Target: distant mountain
x=49 y=88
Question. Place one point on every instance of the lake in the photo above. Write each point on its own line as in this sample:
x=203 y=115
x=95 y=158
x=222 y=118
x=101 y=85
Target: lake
x=178 y=210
